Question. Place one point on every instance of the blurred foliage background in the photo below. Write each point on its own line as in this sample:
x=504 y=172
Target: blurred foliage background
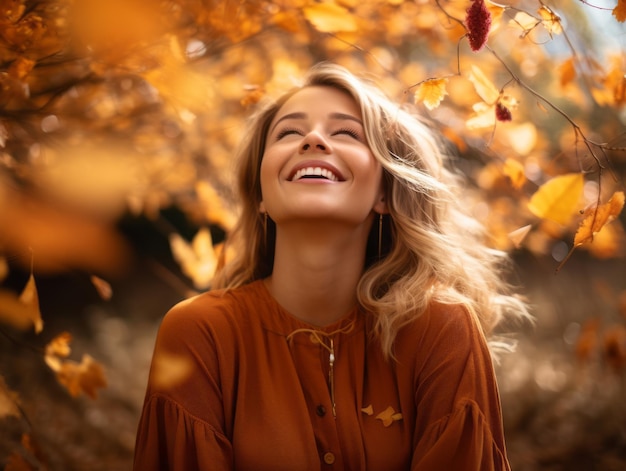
x=118 y=121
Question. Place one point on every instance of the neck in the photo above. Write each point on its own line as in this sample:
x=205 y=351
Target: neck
x=316 y=270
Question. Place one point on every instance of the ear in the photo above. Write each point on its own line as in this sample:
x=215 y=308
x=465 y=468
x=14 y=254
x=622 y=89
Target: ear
x=262 y=209
x=380 y=206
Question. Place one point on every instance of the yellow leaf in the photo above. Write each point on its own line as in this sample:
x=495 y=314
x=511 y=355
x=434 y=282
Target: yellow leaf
x=597 y=218
x=483 y=86
x=484 y=116
x=330 y=18
x=551 y=20
x=57 y=349
x=431 y=92
x=557 y=199
x=619 y=12
x=30 y=299
x=197 y=260
x=515 y=171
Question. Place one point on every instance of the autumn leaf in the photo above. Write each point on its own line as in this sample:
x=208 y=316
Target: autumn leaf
x=503 y=113
x=9 y=401
x=431 y=92
x=515 y=171
x=102 y=287
x=483 y=86
x=550 y=20
x=389 y=416
x=567 y=72
x=330 y=18
x=84 y=377
x=30 y=299
x=619 y=12
x=197 y=260
x=557 y=199
x=597 y=217
x=518 y=235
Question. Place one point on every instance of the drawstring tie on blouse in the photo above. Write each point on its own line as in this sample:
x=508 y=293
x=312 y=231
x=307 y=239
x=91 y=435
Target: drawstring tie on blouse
x=320 y=337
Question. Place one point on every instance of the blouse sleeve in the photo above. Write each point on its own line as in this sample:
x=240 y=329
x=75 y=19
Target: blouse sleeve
x=170 y=439
x=459 y=418
x=182 y=425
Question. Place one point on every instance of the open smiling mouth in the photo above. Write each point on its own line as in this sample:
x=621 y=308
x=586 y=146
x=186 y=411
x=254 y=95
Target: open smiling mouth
x=315 y=173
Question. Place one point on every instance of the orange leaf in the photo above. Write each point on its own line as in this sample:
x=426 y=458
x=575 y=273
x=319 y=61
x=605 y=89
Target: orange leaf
x=567 y=71
x=84 y=377
x=197 y=260
x=597 y=218
x=169 y=370
x=330 y=18
x=30 y=299
x=431 y=92
x=619 y=12
x=102 y=287
x=9 y=401
x=557 y=199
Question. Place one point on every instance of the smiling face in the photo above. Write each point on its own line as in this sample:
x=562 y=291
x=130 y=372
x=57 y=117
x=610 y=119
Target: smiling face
x=317 y=163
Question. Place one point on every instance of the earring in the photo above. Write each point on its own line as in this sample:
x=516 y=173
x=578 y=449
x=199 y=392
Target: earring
x=265 y=230
x=380 y=235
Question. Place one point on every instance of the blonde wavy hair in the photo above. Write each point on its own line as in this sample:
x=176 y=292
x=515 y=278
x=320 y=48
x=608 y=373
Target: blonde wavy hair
x=434 y=251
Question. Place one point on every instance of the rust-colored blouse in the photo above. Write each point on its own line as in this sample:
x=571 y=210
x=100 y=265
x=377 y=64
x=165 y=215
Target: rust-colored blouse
x=253 y=391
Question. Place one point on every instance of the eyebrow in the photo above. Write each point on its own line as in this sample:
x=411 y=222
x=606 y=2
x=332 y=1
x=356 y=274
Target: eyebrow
x=300 y=115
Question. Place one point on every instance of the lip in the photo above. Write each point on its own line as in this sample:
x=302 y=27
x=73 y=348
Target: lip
x=316 y=163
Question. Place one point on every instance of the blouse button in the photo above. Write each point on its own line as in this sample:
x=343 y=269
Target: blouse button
x=329 y=458
x=320 y=410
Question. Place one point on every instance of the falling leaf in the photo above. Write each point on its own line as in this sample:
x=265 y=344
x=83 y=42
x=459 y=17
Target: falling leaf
x=389 y=416
x=596 y=218
x=515 y=171
x=431 y=92
x=197 y=260
x=84 y=377
x=30 y=299
x=478 y=22
x=9 y=401
x=518 y=235
x=483 y=116
x=619 y=12
x=567 y=72
x=483 y=86
x=369 y=410
x=102 y=287
x=330 y=18
x=558 y=198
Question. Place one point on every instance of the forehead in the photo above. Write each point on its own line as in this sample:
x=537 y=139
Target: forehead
x=320 y=100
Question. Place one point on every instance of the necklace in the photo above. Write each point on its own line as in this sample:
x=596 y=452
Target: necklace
x=322 y=337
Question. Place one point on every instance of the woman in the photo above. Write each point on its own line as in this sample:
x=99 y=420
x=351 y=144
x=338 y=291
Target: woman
x=349 y=332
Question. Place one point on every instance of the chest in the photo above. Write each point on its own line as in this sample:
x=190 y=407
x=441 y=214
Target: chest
x=310 y=403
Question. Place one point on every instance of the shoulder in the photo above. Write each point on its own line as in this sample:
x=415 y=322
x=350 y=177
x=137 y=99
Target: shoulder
x=447 y=330
x=213 y=311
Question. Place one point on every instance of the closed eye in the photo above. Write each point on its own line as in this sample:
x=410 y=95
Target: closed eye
x=286 y=131
x=348 y=131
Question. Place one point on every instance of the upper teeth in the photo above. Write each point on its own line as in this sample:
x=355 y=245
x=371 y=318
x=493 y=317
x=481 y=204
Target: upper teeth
x=315 y=171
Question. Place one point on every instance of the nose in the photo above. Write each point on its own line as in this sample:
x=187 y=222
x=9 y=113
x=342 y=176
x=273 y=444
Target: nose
x=314 y=142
